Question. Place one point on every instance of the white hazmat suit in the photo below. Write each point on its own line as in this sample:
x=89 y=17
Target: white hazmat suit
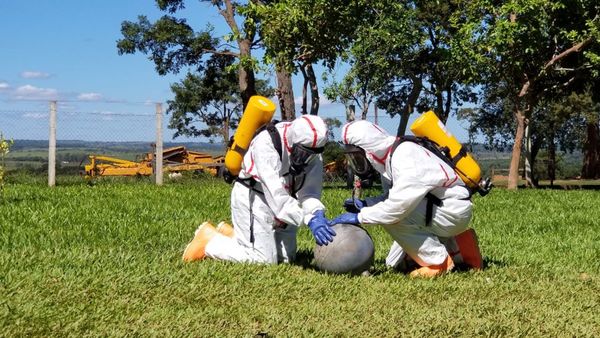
x=411 y=172
x=267 y=203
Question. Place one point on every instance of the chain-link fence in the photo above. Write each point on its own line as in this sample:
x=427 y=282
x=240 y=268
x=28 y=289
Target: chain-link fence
x=72 y=139
x=68 y=139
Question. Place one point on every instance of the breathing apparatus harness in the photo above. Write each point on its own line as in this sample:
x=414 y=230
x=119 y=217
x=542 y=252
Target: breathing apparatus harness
x=442 y=153
x=298 y=159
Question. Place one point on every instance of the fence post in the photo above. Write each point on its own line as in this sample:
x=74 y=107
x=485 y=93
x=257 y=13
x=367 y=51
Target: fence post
x=52 y=146
x=158 y=168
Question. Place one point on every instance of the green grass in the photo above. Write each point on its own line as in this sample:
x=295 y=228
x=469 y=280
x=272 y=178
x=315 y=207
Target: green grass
x=105 y=260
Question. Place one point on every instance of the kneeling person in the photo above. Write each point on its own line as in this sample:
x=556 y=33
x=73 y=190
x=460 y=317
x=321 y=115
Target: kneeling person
x=427 y=201
x=278 y=189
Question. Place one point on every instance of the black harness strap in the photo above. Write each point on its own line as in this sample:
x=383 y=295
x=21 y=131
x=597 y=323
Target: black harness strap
x=431 y=201
x=250 y=183
x=251 y=195
x=441 y=152
x=275 y=138
x=461 y=153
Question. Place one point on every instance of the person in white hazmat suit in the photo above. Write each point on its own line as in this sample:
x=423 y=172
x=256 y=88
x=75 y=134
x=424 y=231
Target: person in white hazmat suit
x=274 y=194
x=415 y=177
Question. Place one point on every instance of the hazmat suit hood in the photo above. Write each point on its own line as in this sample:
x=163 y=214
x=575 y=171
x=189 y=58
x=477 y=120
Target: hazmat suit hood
x=375 y=141
x=305 y=140
x=307 y=130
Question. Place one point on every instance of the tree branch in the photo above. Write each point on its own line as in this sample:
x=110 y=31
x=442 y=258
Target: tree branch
x=229 y=15
x=216 y=52
x=574 y=49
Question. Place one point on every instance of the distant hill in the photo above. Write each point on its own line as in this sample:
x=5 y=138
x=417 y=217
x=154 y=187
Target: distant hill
x=141 y=147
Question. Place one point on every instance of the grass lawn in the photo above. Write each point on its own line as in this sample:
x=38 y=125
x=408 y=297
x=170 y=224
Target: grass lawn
x=105 y=260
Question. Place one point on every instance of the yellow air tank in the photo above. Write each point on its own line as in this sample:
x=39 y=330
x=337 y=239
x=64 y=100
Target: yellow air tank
x=429 y=125
x=258 y=112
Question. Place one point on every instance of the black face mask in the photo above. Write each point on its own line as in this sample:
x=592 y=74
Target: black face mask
x=301 y=156
x=357 y=159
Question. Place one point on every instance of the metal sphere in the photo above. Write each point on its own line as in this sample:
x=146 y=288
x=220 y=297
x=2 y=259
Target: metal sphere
x=352 y=251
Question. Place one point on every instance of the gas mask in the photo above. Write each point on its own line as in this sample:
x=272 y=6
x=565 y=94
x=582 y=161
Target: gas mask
x=357 y=159
x=301 y=156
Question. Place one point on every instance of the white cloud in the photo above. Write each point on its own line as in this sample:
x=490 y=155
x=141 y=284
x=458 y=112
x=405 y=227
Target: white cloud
x=89 y=96
x=4 y=85
x=34 y=75
x=29 y=92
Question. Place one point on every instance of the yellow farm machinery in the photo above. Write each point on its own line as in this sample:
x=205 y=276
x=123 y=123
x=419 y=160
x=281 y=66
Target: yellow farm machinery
x=175 y=160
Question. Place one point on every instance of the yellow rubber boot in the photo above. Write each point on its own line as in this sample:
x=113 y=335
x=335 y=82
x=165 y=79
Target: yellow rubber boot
x=195 y=249
x=434 y=270
x=225 y=229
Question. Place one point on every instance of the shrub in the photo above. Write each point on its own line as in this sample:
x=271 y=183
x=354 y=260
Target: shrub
x=4 y=149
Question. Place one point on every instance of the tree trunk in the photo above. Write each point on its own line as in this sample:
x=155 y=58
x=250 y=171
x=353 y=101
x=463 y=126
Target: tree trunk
x=350 y=113
x=439 y=107
x=304 y=90
x=404 y=115
x=314 y=89
x=410 y=104
x=551 y=159
x=528 y=172
x=591 y=152
x=513 y=171
x=447 y=105
x=246 y=75
x=365 y=110
x=226 y=125
x=366 y=102
x=535 y=151
x=285 y=94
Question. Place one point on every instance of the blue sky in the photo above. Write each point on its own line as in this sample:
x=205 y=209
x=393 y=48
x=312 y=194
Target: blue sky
x=65 y=50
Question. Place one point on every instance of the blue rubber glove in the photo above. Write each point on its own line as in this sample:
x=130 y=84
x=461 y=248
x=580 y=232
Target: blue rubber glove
x=320 y=228
x=347 y=218
x=354 y=204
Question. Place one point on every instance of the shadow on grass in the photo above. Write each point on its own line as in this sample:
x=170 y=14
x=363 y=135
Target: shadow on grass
x=570 y=187
x=304 y=258
x=458 y=268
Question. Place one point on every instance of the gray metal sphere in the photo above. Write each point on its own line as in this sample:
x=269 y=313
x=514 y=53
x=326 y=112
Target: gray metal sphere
x=352 y=251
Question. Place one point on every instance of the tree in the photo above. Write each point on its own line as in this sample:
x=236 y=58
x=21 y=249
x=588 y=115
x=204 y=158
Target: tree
x=173 y=45
x=524 y=45
x=299 y=33
x=332 y=123
x=350 y=92
x=4 y=150
x=581 y=129
x=210 y=99
x=406 y=57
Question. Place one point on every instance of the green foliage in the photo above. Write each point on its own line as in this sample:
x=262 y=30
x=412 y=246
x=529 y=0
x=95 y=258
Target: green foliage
x=173 y=44
x=407 y=56
x=333 y=152
x=309 y=30
x=332 y=123
x=105 y=260
x=4 y=150
x=209 y=103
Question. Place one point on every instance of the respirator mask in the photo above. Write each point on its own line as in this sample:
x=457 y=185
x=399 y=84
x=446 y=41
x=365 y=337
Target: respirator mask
x=301 y=156
x=357 y=160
